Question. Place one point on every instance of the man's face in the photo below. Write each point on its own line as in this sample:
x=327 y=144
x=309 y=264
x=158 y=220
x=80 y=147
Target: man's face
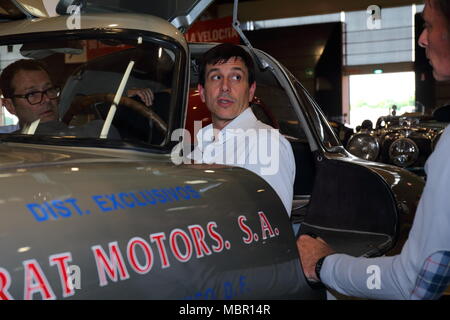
x=226 y=92
x=27 y=81
x=436 y=40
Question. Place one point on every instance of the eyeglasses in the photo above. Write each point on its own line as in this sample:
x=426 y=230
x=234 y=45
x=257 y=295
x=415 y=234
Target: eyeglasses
x=36 y=97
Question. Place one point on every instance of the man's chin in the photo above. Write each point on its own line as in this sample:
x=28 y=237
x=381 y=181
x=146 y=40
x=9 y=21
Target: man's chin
x=440 y=76
x=48 y=117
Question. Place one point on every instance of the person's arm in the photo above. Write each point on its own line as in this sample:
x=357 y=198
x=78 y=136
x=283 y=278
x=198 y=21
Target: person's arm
x=375 y=278
x=396 y=277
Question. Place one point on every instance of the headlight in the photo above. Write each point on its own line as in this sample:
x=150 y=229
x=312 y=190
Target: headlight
x=364 y=146
x=403 y=152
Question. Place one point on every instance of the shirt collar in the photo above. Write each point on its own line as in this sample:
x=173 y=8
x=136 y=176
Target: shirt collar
x=245 y=120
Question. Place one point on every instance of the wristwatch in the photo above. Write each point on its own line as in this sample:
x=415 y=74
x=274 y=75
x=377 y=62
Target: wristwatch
x=313 y=282
x=319 y=267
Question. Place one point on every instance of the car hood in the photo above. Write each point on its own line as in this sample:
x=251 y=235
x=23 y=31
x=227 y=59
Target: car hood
x=181 y=13
x=59 y=171
x=39 y=173
x=16 y=156
x=77 y=202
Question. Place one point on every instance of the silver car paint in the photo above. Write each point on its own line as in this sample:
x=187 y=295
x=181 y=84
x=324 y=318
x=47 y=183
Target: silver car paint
x=48 y=210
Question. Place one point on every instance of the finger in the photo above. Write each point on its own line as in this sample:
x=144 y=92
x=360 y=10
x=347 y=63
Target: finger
x=148 y=97
x=143 y=97
x=152 y=96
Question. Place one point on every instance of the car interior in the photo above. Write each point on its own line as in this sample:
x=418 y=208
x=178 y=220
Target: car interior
x=90 y=72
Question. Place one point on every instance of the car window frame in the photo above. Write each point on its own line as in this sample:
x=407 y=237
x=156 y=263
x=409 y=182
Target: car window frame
x=315 y=139
x=176 y=115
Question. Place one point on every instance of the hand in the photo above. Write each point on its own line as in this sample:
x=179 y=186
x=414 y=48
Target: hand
x=146 y=95
x=310 y=251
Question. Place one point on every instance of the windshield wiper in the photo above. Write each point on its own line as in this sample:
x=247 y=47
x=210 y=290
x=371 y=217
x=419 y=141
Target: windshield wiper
x=117 y=97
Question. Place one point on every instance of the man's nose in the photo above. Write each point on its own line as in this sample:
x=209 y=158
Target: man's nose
x=423 y=39
x=225 y=85
x=45 y=98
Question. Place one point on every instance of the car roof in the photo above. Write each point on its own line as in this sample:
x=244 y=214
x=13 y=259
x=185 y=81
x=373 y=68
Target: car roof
x=94 y=21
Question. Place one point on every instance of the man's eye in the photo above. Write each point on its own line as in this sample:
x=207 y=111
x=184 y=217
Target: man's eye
x=236 y=77
x=216 y=77
x=32 y=94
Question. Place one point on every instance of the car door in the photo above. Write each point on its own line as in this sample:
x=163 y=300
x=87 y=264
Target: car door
x=348 y=202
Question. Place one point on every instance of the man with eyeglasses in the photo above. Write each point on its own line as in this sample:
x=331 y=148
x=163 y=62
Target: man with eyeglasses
x=29 y=93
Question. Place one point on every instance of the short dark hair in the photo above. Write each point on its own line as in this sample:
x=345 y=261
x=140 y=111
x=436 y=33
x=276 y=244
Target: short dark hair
x=444 y=7
x=10 y=71
x=221 y=54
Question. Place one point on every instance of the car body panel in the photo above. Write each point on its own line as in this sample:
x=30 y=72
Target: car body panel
x=149 y=201
x=406 y=189
x=407 y=186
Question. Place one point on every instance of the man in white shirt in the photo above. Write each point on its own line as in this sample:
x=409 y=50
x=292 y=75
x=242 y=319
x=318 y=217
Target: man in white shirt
x=235 y=137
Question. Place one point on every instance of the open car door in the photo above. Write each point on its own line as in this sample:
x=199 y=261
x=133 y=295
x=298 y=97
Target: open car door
x=181 y=13
x=360 y=208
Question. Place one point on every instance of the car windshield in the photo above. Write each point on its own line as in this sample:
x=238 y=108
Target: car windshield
x=94 y=88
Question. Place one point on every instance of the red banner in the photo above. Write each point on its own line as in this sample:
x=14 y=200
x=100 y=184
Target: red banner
x=215 y=30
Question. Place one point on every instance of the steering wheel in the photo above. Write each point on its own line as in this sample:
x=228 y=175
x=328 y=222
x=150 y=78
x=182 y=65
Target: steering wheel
x=82 y=103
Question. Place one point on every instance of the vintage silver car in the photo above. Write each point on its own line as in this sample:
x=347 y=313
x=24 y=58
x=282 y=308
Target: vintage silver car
x=94 y=207
x=403 y=140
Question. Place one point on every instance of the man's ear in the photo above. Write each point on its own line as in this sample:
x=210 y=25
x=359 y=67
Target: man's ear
x=201 y=91
x=252 y=91
x=7 y=103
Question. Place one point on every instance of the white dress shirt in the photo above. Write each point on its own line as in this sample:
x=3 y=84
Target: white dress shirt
x=249 y=143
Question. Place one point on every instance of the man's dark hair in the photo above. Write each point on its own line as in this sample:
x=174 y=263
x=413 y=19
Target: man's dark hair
x=10 y=71
x=221 y=54
x=444 y=7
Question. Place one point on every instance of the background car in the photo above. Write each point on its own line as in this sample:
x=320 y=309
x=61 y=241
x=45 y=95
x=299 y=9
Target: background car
x=405 y=141
x=95 y=207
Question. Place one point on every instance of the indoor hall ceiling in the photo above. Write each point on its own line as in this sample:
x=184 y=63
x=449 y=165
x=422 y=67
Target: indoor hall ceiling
x=253 y=10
